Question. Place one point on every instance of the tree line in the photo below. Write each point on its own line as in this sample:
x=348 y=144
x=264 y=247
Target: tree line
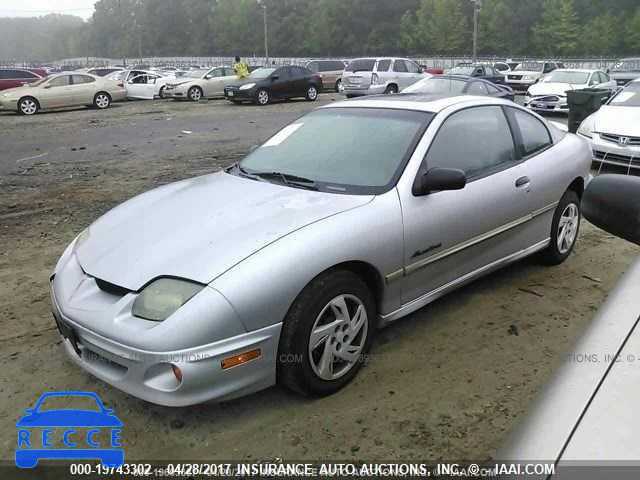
x=133 y=28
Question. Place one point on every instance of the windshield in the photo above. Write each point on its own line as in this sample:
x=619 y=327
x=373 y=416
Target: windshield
x=563 y=76
x=38 y=82
x=195 y=73
x=261 y=73
x=436 y=85
x=347 y=150
x=461 y=70
x=627 y=97
x=530 y=67
x=361 y=65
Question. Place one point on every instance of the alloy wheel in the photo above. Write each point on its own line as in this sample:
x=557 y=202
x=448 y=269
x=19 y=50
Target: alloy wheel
x=263 y=97
x=338 y=337
x=28 y=106
x=102 y=100
x=568 y=228
x=195 y=94
x=312 y=93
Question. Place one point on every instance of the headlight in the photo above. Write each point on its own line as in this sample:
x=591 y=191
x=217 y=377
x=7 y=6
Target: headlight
x=247 y=86
x=587 y=126
x=529 y=77
x=161 y=298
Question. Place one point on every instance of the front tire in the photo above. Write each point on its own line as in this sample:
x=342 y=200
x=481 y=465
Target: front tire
x=312 y=93
x=102 y=100
x=326 y=334
x=564 y=229
x=161 y=92
x=391 y=89
x=263 y=97
x=194 y=94
x=28 y=106
x=339 y=88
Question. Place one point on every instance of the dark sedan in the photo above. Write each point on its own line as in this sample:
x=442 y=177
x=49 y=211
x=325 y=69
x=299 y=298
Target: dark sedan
x=478 y=70
x=460 y=85
x=266 y=84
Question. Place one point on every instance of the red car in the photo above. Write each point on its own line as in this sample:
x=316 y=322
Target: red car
x=16 y=77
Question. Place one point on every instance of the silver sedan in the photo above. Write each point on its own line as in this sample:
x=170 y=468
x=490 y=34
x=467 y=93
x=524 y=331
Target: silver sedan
x=281 y=268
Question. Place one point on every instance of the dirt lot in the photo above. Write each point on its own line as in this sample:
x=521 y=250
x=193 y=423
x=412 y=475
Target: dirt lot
x=447 y=382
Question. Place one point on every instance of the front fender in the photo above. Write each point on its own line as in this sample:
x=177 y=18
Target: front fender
x=262 y=287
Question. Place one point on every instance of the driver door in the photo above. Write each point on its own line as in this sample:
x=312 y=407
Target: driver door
x=453 y=234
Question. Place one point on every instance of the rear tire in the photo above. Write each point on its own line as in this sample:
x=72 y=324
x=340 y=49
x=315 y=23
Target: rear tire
x=339 y=88
x=564 y=230
x=326 y=334
x=161 y=92
x=102 y=100
x=28 y=106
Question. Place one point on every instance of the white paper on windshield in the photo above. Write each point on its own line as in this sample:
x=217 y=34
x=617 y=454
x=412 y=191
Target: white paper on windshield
x=282 y=135
x=623 y=97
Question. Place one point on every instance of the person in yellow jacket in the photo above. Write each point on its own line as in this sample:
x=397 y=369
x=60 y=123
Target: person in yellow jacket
x=241 y=68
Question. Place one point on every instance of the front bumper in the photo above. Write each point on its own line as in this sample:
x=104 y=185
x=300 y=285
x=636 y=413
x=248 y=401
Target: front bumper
x=520 y=84
x=357 y=90
x=235 y=94
x=174 y=92
x=547 y=103
x=611 y=153
x=149 y=376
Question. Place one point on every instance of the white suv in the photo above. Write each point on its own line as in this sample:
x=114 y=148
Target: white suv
x=372 y=76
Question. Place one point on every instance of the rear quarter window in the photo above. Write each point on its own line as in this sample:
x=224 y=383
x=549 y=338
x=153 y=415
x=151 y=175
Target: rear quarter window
x=535 y=135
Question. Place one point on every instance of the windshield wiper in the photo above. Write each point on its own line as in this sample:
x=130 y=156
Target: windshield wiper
x=287 y=179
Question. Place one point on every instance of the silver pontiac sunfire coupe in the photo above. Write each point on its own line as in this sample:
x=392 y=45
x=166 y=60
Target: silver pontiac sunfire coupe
x=280 y=268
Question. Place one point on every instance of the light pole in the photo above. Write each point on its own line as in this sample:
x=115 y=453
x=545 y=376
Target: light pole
x=266 y=43
x=476 y=8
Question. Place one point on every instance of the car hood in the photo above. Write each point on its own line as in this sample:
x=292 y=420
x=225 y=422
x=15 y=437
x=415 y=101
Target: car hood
x=176 y=82
x=552 y=88
x=15 y=91
x=199 y=228
x=618 y=120
x=244 y=81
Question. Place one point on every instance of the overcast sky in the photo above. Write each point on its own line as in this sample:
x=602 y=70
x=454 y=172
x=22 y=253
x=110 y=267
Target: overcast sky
x=36 y=8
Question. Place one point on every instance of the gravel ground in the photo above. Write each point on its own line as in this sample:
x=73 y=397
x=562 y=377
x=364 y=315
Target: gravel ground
x=447 y=382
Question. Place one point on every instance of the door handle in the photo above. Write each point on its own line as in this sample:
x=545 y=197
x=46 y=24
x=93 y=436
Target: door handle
x=522 y=182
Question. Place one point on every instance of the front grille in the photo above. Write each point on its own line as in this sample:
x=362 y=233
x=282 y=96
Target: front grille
x=111 y=288
x=514 y=77
x=551 y=98
x=610 y=137
x=615 y=157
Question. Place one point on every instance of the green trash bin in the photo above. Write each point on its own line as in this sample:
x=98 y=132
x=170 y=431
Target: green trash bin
x=583 y=103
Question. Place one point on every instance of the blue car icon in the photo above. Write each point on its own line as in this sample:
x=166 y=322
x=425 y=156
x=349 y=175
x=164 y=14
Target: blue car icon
x=40 y=448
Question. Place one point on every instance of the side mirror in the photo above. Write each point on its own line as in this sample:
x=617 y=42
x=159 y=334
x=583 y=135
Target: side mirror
x=275 y=77
x=208 y=77
x=438 y=180
x=47 y=86
x=608 y=70
x=612 y=202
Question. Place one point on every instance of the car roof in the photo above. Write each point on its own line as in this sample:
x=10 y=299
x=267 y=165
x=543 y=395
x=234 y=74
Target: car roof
x=418 y=101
